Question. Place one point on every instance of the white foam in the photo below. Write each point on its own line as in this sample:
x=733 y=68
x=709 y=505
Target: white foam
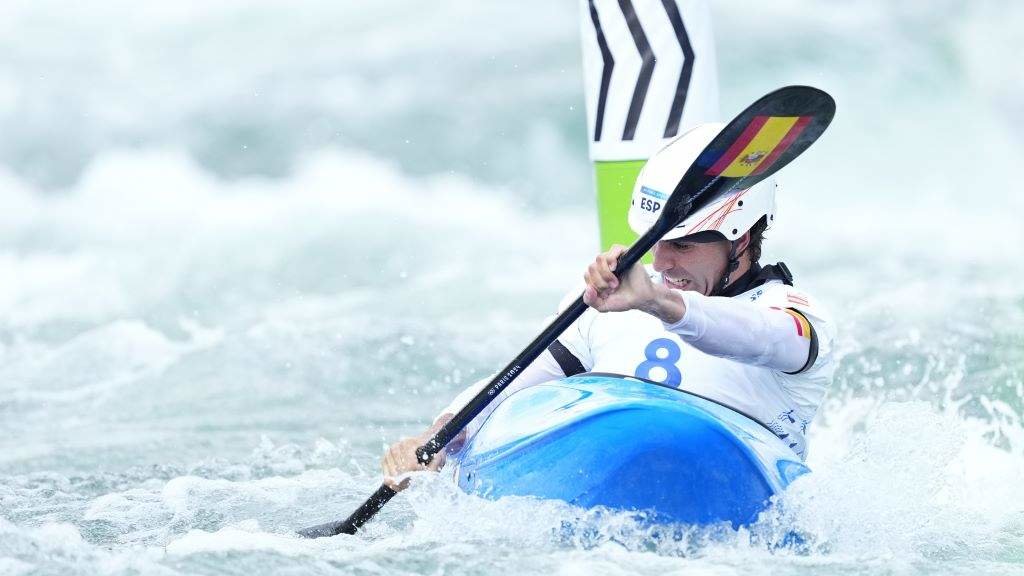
x=142 y=226
x=913 y=482
x=98 y=362
x=59 y=548
x=15 y=567
x=242 y=538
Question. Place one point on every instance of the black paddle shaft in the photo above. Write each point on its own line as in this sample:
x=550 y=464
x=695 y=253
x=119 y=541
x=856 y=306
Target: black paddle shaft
x=555 y=329
x=452 y=428
x=721 y=167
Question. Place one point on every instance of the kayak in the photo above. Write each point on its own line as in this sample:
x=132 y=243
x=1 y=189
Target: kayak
x=627 y=444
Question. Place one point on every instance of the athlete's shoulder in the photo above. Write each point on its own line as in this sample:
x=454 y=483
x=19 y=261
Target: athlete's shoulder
x=777 y=294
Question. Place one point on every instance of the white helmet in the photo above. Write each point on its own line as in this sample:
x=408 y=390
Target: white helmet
x=731 y=214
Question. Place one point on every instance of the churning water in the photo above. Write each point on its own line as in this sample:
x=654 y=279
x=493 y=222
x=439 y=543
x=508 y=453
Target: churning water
x=243 y=246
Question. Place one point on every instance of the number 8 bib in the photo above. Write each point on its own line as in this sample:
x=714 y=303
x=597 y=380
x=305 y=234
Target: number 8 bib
x=661 y=353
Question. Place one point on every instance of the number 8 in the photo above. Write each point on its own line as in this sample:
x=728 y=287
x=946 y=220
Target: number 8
x=672 y=353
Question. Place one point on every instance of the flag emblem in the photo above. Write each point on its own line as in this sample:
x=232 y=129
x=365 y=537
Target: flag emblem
x=759 y=145
x=803 y=327
x=753 y=158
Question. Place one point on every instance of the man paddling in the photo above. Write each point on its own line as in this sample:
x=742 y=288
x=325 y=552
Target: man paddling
x=707 y=317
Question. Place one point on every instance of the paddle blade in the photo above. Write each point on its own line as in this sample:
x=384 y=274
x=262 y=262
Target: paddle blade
x=350 y=525
x=766 y=136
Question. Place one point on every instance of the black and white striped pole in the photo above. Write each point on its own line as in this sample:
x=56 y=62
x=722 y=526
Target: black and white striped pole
x=650 y=74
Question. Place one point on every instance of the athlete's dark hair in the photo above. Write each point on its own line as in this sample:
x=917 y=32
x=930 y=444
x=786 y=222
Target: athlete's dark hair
x=756 y=236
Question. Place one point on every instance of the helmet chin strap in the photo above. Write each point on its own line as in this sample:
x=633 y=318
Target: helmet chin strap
x=730 y=267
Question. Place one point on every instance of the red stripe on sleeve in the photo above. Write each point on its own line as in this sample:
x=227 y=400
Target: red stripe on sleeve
x=799 y=327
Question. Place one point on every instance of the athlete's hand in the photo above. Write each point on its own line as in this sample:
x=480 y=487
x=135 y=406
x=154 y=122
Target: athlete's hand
x=400 y=459
x=606 y=293
x=635 y=291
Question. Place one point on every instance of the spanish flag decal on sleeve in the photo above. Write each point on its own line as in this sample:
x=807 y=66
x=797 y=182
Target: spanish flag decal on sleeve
x=760 y=144
x=803 y=327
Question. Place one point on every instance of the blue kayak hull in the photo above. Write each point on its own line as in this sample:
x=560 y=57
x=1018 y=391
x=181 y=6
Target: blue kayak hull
x=626 y=444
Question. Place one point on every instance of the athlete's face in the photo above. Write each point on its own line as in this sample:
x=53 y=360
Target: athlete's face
x=691 y=265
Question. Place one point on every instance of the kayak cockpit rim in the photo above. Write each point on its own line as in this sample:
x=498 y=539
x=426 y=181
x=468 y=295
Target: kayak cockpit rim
x=680 y=390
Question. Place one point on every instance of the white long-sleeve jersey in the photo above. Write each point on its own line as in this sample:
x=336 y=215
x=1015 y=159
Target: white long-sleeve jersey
x=767 y=353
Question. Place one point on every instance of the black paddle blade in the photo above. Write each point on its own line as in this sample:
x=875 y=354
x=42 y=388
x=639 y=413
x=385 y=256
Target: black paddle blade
x=766 y=136
x=351 y=524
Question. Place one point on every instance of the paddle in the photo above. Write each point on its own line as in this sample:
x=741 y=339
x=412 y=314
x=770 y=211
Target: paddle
x=762 y=139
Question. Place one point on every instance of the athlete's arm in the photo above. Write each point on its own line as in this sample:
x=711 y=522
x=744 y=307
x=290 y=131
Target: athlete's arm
x=400 y=458
x=781 y=339
x=544 y=369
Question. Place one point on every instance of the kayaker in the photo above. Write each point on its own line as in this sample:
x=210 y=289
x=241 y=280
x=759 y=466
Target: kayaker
x=707 y=317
